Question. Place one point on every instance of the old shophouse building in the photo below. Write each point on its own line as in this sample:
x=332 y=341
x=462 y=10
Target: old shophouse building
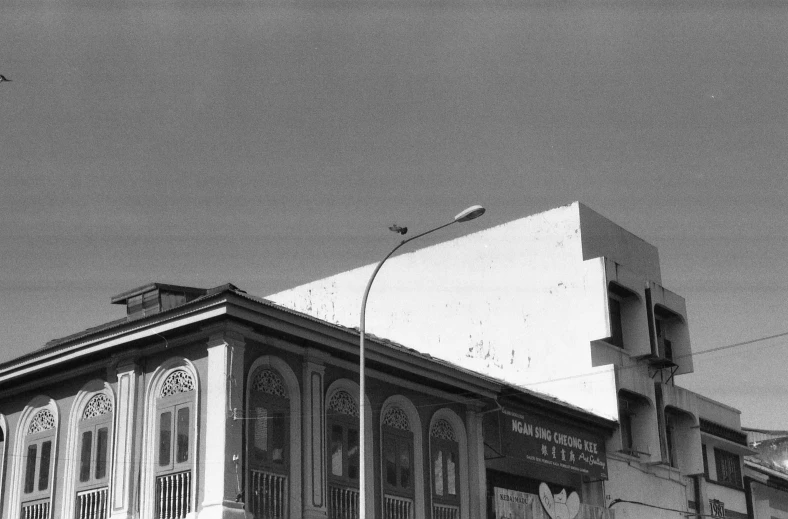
x=212 y=403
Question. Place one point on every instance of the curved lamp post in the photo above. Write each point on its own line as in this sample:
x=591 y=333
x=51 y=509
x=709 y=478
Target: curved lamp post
x=468 y=214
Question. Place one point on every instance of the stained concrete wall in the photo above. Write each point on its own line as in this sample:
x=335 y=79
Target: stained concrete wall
x=659 y=486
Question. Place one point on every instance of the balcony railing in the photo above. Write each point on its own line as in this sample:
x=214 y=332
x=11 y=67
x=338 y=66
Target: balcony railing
x=173 y=495
x=342 y=502
x=92 y=504
x=395 y=507
x=268 y=499
x=440 y=511
x=35 y=510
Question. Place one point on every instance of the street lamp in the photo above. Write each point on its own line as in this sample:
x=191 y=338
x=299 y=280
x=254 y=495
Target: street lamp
x=468 y=214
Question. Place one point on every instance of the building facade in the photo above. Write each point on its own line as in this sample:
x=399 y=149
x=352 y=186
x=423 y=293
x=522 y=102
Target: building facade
x=211 y=403
x=567 y=303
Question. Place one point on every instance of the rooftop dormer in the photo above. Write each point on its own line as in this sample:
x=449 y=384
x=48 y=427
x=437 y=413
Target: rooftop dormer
x=154 y=298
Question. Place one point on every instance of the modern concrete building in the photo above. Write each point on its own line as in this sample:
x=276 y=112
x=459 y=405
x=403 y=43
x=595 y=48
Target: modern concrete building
x=211 y=403
x=569 y=304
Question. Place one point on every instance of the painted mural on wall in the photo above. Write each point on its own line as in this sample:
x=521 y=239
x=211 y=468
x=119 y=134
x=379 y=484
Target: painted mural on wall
x=559 y=506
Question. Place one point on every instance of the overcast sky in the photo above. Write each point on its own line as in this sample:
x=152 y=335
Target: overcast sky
x=270 y=143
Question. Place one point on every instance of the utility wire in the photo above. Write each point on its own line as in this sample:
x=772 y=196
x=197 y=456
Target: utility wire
x=736 y=345
x=684 y=512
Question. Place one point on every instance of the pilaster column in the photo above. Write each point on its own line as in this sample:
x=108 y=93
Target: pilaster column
x=224 y=449
x=314 y=427
x=123 y=487
x=477 y=473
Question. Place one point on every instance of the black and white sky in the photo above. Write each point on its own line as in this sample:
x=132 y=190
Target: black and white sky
x=268 y=143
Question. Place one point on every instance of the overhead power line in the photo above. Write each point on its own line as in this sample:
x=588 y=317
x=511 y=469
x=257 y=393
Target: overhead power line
x=736 y=345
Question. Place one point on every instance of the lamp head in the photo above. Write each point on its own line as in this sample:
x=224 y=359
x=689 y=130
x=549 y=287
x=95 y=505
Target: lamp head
x=471 y=213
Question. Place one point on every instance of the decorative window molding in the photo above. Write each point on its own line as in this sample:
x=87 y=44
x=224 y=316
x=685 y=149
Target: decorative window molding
x=98 y=405
x=268 y=381
x=402 y=452
x=342 y=409
x=179 y=381
x=341 y=402
x=88 y=451
x=272 y=372
x=449 y=470
x=35 y=456
x=395 y=417
x=43 y=420
x=172 y=402
x=443 y=430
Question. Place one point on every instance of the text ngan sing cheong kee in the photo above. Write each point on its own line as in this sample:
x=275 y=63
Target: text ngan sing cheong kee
x=543 y=433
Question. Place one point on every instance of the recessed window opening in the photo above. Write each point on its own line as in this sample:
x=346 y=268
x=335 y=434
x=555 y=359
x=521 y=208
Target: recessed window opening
x=618 y=298
x=630 y=407
x=445 y=467
x=174 y=449
x=728 y=467
x=672 y=420
x=664 y=320
x=342 y=420
x=269 y=442
x=94 y=434
x=397 y=453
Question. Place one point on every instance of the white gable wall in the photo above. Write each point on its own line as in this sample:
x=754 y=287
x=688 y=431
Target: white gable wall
x=516 y=302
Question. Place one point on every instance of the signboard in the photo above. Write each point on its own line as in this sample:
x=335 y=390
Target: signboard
x=511 y=504
x=717 y=508
x=540 y=440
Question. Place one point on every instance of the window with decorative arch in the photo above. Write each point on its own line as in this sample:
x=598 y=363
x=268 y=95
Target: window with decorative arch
x=268 y=444
x=342 y=420
x=397 y=461
x=94 y=436
x=445 y=449
x=174 y=444
x=39 y=464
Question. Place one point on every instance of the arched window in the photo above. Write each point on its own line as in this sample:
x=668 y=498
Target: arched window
x=342 y=417
x=39 y=464
x=174 y=444
x=445 y=448
x=398 y=475
x=94 y=435
x=269 y=444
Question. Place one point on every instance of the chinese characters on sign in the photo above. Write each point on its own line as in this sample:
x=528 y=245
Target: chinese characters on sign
x=540 y=440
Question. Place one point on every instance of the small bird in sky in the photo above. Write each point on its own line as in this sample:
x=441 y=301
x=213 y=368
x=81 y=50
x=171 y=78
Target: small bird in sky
x=3 y=78
x=397 y=228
